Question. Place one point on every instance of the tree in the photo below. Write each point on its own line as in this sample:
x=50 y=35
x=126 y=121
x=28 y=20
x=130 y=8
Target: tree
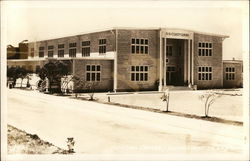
x=14 y=73
x=209 y=98
x=85 y=86
x=54 y=71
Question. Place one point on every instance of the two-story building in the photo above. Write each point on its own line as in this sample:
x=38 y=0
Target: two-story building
x=131 y=59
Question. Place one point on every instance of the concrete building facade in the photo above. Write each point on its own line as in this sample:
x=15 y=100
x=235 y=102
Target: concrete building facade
x=130 y=59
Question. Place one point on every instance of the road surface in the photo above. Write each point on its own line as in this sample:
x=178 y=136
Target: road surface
x=107 y=129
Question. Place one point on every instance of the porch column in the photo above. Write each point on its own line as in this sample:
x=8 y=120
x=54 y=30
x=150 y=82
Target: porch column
x=188 y=61
x=185 y=61
x=192 y=66
x=115 y=62
x=164 y=63
x=160 y=52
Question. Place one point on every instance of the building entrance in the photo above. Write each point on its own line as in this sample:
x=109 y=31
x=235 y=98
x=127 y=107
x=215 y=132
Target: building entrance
x=174 y=55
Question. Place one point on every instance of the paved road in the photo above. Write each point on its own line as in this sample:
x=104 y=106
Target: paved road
x=107 y=129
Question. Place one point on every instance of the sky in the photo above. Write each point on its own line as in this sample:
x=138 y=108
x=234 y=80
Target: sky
x=42 y=20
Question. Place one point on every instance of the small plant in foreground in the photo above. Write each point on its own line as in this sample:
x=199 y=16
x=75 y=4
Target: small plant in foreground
x=209 y=98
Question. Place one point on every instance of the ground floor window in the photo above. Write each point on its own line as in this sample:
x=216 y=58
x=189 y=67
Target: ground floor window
x=93 y=73
x=205 y=73
x=139 y=73
x=230 y=73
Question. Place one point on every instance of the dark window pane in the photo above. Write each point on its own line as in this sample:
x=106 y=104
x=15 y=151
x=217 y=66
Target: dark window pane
x=137 y=68
x=142 y=49
x=137 y=41
x=98 y=68
x=145 y=76
x=210 y=52
x=210 y=76
x=137 y=49
x=133 y=41
x=199 y=52
x=98 y=76
x=133 y=49
x=146 y=49
x=93 y=67
x=132 y=76
x=146 y=41
x=233 y=69
x=88 y=77
x=93 y=76
x=141 y=76
x=88 y=67
x=141 y=68
x=142 y=41
x=132 y=68
x=199 y=76
x=146 y=68
x=137 y=76
x=199 y=44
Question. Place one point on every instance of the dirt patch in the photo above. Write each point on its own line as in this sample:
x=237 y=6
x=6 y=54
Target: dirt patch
x=20 y=142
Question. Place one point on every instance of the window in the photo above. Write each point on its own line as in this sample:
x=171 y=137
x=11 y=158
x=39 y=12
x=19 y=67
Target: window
x=50 y=51
x=169 y=50
x=139 y=73
x=205 y=49
x=41 y=51
x=61 y=50
x=32 y=52
x=102 y=46
x=72 y=49
x=51 y=47
x=204 y=73
x=230 y=73
x=139 y=46
x=60 y=46
x=61 y=53
x=85 y=48
x=93 y=73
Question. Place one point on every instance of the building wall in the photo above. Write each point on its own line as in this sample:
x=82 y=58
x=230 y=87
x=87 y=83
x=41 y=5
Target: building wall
x=125 y=59
x=109 y=35
x=106 y=83
x=238 y=80
x=215 y=61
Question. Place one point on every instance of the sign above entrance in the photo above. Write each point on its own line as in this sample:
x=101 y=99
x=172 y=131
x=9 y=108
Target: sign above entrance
x=177 y=34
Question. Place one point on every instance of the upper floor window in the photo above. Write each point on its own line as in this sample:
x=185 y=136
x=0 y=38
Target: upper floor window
x=32 y=52
x=72 y=49
x=41 y=51
x=204 y=73
x=139 y=46
x=205 y=49
x=93 y=73
x=102 y=46
x=60 y=46
x=60 y=50
x=230 y=73
x=85 y=48
x=139 y=73
x=50 y=51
